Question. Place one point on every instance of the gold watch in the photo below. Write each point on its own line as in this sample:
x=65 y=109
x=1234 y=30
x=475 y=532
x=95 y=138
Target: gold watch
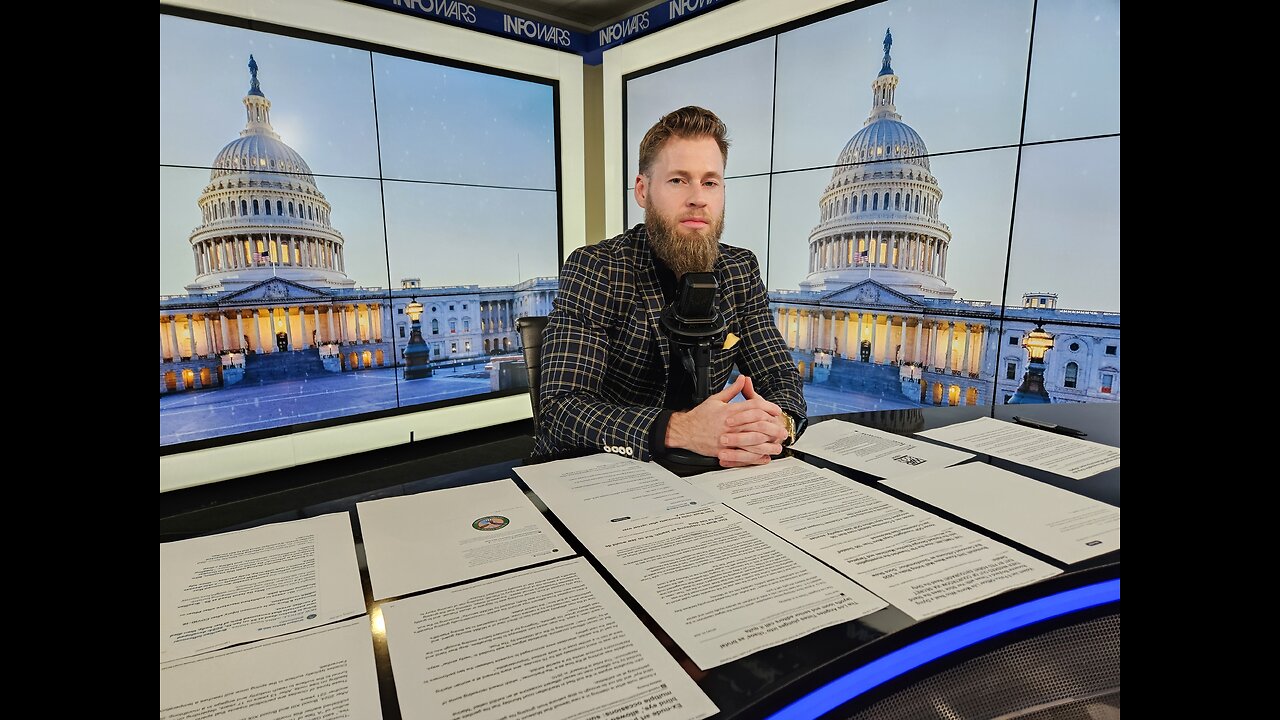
x=791 y=429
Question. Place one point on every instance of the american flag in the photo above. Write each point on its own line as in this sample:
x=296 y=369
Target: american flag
x=860 y=258
x=261 y=258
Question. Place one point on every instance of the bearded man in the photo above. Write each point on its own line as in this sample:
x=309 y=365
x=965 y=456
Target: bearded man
x=609 y=380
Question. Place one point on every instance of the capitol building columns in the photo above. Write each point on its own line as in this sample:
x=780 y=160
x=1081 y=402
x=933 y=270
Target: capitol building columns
x=257 y=330
x=886 y=355
x=873 y=319
x=902 y=339
x=175 y=352
x=915 y=352
x=824 y=329
x=222 y=330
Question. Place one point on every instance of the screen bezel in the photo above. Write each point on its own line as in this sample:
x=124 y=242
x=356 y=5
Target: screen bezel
x=365 y=28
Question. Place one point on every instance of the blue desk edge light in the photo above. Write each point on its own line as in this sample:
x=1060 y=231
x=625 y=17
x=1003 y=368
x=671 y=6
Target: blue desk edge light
x=852 y=684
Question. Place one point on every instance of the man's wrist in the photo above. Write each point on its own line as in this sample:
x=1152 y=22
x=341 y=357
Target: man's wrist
x=674 y=436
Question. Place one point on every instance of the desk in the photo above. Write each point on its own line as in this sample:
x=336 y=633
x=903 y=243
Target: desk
x=1049 y=663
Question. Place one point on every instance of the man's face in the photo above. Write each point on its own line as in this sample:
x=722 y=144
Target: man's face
x=683 y=198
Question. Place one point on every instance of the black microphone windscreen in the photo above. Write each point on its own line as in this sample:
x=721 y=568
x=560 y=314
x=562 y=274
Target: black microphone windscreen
x=697 y=296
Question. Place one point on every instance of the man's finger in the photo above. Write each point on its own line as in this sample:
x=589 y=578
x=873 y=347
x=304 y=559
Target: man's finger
x=769 y=429
x=753 y=411
x=731 y=391
x=739 y=458
x=745 y=439
x=769 y=448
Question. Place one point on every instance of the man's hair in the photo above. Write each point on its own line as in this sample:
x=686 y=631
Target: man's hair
x=688 y=122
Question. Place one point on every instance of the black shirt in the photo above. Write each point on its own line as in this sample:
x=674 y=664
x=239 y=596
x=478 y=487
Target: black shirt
x=680 y=384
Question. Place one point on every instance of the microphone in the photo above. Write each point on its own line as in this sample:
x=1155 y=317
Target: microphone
x=694 y=325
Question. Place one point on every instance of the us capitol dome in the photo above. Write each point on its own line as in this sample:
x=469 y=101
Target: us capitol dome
x=262 y=214
x=879 y=214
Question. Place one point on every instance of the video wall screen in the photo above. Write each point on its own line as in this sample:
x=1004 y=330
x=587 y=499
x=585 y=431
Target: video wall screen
x=345 y=231
x=925 y=184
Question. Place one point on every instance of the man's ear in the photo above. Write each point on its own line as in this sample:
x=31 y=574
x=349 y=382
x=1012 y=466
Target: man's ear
x=642 y=191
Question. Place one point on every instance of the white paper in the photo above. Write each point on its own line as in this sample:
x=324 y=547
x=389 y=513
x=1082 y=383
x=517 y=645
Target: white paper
x=721 y=586
x=435 y=538
x=604 y=487
x=1059 y=523
x=873 y=451
x=551 y=642
x=226 y=589
x=922 y=564
x=1040 y=449
x=327 y=674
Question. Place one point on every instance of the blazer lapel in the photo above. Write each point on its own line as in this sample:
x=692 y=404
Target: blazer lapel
x=651 y=291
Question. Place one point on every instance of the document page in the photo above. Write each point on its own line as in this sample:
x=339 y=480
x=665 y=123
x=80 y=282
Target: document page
x=604 y=487
x=1061 y=524
x=721 y=586
x=1040 y=449
x=552 y=641
x=435 y=538
x=922 y=564
x=226 y=589
x=873 y=451
x=323 y=674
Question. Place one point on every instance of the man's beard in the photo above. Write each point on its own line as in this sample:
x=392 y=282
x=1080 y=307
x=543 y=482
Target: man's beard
x=684 y=251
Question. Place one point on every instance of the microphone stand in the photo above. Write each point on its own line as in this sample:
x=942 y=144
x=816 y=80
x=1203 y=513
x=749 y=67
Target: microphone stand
x=694 y=325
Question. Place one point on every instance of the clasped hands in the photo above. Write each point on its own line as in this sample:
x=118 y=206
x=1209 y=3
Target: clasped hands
x=738 y=433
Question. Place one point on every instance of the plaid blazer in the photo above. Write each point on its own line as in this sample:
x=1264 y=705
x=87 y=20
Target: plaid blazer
x=605 y=358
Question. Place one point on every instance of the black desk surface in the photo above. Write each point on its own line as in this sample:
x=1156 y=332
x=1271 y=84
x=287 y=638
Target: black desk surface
x=749 y=687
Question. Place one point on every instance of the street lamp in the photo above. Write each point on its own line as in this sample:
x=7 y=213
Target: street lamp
x=417 y=356
x=1031 y=391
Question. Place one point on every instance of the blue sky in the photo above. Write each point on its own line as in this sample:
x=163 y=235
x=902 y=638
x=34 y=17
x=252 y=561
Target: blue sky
x=962 y=70
x=439 y=126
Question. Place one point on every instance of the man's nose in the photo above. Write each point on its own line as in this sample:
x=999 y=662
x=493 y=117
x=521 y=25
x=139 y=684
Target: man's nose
x=698 y=198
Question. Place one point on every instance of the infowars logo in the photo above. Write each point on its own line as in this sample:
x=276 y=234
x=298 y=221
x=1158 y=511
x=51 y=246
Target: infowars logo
x=679 y=8
x=624 y=29
x=450 y=9
x=535 y=30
